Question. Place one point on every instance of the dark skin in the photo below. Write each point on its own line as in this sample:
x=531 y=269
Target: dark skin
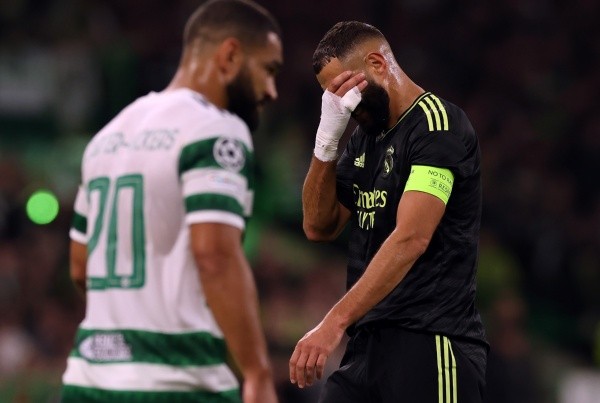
x=417 y=216
x=223 y=270
x=217 y=249
x=78 y=261
x=208 y=68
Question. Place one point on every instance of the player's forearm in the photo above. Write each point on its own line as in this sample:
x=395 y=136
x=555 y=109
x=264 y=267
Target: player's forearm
x=323 y=218
x=387 y=269
x=232 y=297
x=320 y=207
x=78 y=263
x=418 y=216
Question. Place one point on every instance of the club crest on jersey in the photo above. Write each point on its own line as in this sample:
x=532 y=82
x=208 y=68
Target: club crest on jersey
x=229 y=153
x=388 y=162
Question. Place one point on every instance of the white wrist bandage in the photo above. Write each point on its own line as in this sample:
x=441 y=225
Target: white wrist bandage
x=335 y=114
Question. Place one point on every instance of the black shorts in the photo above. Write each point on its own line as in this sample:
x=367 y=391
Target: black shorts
x=390 y=364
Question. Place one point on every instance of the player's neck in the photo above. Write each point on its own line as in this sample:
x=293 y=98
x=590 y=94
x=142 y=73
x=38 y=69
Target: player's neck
x=201 y=82
x=402 y=96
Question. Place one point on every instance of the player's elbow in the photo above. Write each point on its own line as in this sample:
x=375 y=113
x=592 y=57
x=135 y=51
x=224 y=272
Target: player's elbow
x=317 y=234
x=78 y=276
x=413 y=245
x=78 y=262
x=421 y=245
x=218 y=262
x=417 y=245
x=209 y=262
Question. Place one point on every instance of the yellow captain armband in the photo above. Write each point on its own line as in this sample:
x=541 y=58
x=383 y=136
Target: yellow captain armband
x=435 y=181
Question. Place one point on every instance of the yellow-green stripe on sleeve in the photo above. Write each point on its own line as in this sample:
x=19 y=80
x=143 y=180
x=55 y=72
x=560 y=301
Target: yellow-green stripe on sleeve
x=435 y=181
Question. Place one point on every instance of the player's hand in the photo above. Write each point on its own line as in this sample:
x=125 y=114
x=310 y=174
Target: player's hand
x=339 y=100
x=311 y=353
x=347 y=80
x=259 y=389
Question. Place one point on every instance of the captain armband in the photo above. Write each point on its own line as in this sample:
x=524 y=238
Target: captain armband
x=433 y=180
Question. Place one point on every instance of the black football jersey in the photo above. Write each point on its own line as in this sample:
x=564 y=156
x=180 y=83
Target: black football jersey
x=438 y=293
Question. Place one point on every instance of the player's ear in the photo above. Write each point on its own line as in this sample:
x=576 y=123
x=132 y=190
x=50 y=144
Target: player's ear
x=375 y=63
x=230 y=58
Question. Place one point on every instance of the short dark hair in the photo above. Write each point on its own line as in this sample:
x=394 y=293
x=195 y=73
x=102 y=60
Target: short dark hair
x=340 y=40
x=216 y=20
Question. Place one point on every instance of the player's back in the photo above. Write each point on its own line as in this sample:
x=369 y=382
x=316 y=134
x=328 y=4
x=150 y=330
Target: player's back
x=147 y=327
x=139 y=243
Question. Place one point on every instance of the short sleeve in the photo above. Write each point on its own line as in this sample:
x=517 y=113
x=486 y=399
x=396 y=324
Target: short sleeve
x=444 y=138
x=78 y=230
x=438 y=149
x=216 y=174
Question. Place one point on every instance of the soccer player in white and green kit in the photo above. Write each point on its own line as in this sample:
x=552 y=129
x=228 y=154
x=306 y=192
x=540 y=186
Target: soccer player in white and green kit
x=167 y=187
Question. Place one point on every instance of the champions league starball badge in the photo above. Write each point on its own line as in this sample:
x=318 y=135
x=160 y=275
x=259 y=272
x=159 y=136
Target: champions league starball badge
x=229 y=153
x=388 y=162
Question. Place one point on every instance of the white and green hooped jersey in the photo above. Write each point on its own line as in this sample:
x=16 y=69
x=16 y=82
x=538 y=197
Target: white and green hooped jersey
x=166 y=161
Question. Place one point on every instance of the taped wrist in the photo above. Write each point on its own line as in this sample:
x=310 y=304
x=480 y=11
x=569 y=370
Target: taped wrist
x=335 y=114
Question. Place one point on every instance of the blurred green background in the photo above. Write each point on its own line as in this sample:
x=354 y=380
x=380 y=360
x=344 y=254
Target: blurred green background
x=527 y=72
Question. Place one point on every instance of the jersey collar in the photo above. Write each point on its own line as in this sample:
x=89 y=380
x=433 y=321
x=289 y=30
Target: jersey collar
x=406 y=112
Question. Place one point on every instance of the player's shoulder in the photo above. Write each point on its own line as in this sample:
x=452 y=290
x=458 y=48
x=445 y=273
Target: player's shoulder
x=206 y=121
x=189 y=112
x=186 y=116
x=434 y=114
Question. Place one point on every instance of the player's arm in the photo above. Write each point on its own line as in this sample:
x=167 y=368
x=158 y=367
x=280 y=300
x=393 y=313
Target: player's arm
x=324 y=216
x=231 y=294
x=418 y=215
x=417 y=218
x=78 y=262
x=214 y=173
x=78 y=247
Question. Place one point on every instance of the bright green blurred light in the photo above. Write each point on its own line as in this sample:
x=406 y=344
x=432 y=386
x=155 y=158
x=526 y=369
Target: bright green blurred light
x=42 y=207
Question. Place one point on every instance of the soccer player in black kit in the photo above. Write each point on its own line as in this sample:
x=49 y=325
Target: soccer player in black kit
x=409 y=183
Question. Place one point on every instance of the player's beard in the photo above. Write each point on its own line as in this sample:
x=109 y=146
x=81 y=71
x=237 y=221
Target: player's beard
x=373 y=112
x=242 y=100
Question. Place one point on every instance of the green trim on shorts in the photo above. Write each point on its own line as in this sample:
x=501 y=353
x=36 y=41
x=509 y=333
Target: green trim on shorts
x=433 y=180
x=79 y=394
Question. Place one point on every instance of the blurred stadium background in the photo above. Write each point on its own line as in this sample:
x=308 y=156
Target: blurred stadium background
x=526 y=71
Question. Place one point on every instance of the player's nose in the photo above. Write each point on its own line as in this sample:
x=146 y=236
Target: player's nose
x=271 y=90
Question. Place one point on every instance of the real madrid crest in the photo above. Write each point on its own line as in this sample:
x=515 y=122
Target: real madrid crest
x=388 y=162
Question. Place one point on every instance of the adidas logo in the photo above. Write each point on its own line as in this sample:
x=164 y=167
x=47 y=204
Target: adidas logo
x=437 y=118
x=360 y=161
